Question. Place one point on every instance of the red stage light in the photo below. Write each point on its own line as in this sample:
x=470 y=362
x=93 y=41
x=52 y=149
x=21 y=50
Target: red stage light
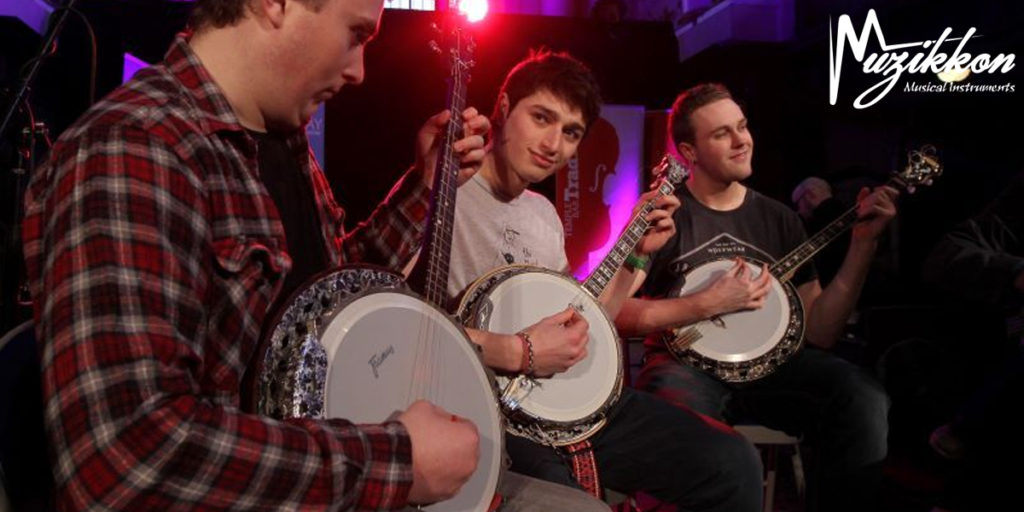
x=474 y=10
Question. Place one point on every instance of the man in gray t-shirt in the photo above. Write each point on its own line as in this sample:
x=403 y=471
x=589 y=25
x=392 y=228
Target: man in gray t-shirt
x=542 y=113
x=491 y=231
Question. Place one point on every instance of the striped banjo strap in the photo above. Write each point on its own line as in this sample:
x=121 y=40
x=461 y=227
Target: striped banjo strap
x=584 y=467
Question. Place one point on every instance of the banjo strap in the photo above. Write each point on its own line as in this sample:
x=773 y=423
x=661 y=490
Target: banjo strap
x=584 y=467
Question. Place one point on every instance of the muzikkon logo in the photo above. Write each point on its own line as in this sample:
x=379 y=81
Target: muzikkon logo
x=894 y=59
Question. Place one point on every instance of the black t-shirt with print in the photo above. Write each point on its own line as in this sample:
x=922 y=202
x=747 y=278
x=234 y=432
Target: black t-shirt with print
x=760 y=227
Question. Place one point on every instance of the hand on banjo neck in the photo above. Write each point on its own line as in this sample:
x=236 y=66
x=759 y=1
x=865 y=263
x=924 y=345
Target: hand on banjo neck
x=560 y=341
x=740 y=289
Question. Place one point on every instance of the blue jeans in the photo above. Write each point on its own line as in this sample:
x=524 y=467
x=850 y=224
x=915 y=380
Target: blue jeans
x=841 y=412
x=668 y=452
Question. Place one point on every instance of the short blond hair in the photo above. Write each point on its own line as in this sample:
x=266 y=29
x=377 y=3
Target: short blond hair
x=223 y=13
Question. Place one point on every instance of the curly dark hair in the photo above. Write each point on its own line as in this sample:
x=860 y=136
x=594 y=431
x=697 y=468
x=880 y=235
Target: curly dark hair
x=559 y=73
x=689 y=101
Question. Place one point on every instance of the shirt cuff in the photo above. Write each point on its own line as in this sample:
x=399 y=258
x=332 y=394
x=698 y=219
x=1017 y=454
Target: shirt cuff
x=387 y=472
x=411 y=198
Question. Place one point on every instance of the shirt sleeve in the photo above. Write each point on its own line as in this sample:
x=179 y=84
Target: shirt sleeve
x=392 y=234
x=659 y=280
x=138 y=419
x=794 y=234
x=978 y=260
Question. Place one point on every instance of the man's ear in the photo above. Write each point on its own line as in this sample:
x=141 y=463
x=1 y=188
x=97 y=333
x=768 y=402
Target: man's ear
x=271 y=10
x=687 y=151
x=504 y=102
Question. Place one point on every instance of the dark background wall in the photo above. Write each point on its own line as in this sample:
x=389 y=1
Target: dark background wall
x=784 y=87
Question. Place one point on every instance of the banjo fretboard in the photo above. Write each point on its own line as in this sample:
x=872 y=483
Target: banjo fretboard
x=431 y=274
x=921 y=169
x=672 y=173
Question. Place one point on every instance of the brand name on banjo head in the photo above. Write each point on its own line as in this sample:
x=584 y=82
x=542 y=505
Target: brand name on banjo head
x=377 y=360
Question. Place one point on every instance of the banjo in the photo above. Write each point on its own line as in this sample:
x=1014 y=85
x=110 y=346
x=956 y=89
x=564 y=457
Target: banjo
x=747 y=345
x=571 y=406
x=356 y=343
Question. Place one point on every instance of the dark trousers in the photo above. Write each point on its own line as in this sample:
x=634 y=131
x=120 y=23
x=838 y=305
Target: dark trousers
x=989 y=427
x=840 y=410
x=671 y=453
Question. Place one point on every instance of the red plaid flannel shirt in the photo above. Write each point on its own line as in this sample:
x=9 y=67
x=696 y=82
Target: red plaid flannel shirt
x=153 y=252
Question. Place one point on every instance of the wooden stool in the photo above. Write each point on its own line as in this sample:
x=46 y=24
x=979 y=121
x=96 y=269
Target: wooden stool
x=768 y=442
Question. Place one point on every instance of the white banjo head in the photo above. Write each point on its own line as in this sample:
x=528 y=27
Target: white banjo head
x=347 y=345
x=387 y=349
x=744 y=345
x=521 y=297
x=743 y=335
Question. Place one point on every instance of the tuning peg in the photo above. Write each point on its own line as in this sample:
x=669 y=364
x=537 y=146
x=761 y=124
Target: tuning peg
x=435 y=28
x=435 y=47
x=470 y=63
x=911 y=189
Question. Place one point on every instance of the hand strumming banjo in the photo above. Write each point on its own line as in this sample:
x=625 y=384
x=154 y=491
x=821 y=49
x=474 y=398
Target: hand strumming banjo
x=355 y=343
x=747 y=345
x=571 y=406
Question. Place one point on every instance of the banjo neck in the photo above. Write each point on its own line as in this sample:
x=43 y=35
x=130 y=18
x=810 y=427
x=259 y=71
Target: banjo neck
x=784 y=269
x=602 y=275
x=430 y=276
x=747 y=345
x=920 y=171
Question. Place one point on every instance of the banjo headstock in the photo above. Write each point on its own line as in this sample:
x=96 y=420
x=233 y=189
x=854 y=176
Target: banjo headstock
x=671 y=171
x=457 y=48
x=922 y=168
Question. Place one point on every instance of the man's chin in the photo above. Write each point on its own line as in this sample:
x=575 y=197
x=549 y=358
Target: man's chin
x=287 y=125
x=742 y=173
x=540 y=173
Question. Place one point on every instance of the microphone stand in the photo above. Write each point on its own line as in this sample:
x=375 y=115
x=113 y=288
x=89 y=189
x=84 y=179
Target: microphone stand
x=55 y=26
x=29 y=134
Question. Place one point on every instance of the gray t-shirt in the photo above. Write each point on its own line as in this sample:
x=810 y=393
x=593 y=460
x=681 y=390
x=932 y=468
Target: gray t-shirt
x=491 y=232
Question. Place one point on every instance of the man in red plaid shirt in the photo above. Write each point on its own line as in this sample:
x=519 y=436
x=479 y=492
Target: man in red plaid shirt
x=155 y=243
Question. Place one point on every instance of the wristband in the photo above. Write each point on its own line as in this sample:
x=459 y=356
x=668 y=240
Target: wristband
x=636 y=262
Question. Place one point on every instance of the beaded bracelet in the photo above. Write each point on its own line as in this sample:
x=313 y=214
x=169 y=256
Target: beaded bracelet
x=526 y=367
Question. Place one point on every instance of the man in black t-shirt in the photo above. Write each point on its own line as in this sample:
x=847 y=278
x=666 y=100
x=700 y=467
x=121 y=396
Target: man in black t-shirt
x=834 y=405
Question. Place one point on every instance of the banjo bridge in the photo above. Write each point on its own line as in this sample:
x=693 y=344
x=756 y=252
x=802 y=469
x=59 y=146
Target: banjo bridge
x=680 y=340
